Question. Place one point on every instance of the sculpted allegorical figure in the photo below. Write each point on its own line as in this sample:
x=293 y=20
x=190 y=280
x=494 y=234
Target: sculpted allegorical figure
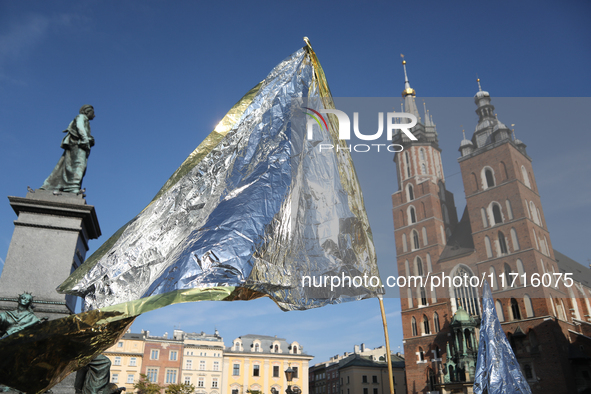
x=71 y=167
x=19 y=319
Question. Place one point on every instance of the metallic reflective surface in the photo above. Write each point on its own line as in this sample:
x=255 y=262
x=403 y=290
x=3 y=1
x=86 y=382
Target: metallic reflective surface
x=497 y=369
x=35 y=359
x=254 y=209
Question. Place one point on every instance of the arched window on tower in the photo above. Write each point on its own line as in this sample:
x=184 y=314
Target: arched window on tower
x=499 y=308
x=484 y=218
x=496 y=213
x=426 y=325
x=509 y=210
x=514 y=239
x=419 y=266
x=515 y=309
x=493 y=278
x=490 y=178
x=412 y=215
x=423 y=295
x=413 y=324
x=502 y=243
x=529 y=308
x=407 y=159
x=415 y=239
x=436 y=322
x=409 y=297
x=488 y=247
x=411 y=192
x=508 y=277
x=425 y=240
x=525 y=177
x=520 y=271
x=404 y=248
x=464 y=295
x=421 y=354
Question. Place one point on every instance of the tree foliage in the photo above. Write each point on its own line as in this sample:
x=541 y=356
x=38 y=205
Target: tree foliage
x=181 y=388
x=144 y=386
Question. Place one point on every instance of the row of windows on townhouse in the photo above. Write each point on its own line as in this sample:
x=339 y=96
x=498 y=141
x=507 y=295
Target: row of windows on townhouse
x=422 y=164
x=130 y=378
x=172 y=355
x=202 y=365
x=257 y=348
x=171 y=378
x=203 y=354
x=256 y=370
x=488 y=178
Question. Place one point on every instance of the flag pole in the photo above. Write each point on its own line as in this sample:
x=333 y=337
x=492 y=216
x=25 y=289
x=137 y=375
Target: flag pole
x=388 y=355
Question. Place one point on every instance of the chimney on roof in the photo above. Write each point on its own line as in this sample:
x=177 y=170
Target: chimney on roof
x=165 y=335
x=362 y=347
x=356 y=349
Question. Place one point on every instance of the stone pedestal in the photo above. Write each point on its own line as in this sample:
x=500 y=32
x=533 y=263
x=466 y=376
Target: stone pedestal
x=50 y=241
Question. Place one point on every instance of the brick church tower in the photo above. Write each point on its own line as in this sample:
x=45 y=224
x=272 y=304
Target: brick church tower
x=502 y=235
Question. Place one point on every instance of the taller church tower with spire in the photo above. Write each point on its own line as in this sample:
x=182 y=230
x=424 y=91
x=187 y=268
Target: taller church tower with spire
x=502 y=236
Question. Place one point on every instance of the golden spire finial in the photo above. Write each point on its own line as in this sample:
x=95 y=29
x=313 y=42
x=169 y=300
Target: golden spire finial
x=407 y=89
x=479 y=87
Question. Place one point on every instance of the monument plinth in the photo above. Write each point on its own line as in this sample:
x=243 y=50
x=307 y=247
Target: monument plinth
x=50 y=241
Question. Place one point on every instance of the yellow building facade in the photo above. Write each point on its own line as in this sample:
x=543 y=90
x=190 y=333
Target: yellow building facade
x=126 y=360
x=257 y=363
x=203 y=362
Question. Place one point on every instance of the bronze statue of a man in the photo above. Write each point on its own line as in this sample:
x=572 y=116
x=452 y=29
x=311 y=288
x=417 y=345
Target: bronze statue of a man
x=19 y=319
x=71 y=167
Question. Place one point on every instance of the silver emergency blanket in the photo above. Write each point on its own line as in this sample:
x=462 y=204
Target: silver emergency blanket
x=254 y=211
x=497 y=369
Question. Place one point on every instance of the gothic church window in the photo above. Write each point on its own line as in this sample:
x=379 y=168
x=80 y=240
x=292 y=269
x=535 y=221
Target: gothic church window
x=409 y=298
x=515 y=309
x=436 y=323
x=496 y=211
x=413 y=215
x=413 y=324
x=509 y=210
x=411 y=193
x=493 y=282
x=508 y=277
x=421 y=354
x=514 y=239
x=406 y=157
x=419 y=266
x=529 y=308
x=520 y=270
x=425 y=241
x=465 y=295
x=484 y=218
x=426 y=329
x=423 y=295
x=487 y=246
x=502 y=243
x=525 y=177
x=489 y=177
x=499 y=308
x=415 y=238
x=404 y=248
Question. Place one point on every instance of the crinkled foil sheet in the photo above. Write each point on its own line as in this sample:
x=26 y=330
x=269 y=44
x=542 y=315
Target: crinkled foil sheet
x=497 y=369
x=254 y=209
x=37 y=358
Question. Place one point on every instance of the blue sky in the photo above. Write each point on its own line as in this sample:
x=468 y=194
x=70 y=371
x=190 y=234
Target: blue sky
x=162 y=74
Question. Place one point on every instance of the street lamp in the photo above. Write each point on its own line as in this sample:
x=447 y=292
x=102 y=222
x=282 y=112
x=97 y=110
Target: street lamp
x=289 y=377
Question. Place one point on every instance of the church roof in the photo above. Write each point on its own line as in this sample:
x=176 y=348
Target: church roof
x=580 y=273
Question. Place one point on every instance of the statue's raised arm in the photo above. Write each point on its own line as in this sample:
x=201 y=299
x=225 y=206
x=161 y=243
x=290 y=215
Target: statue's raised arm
x=71 y=167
